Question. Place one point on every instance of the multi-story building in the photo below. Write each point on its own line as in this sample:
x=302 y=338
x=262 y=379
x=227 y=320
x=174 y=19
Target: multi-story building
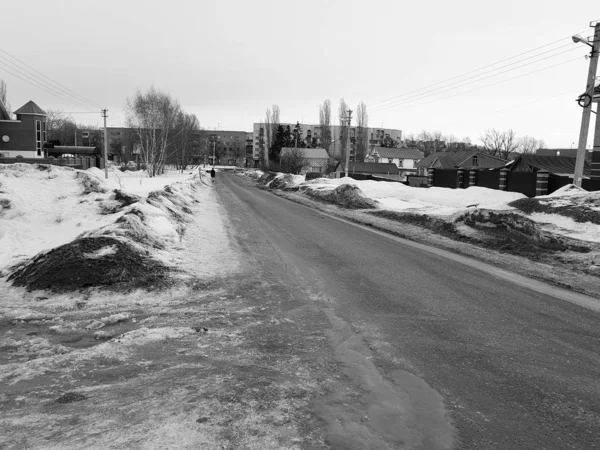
x=313 y=134
x=229 y=147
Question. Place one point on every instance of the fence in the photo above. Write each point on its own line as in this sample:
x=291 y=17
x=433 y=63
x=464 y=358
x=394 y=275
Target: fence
x=523 y=182
x=416 y=181
x=528 y=183
x=76 y=163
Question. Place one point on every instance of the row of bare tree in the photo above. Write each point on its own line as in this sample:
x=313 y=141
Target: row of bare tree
x=500 y=143
x=326 y=138
x=503 y=143
x=162 y=130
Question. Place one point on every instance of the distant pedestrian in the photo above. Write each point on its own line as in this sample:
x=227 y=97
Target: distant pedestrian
x=213 y=174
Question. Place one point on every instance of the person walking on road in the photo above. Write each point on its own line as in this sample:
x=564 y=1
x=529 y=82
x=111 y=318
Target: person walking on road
x=213 y=174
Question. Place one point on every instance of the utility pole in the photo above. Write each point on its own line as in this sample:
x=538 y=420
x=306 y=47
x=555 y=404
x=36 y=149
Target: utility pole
x=104 y=111
x=587 y=105
x=348 y=144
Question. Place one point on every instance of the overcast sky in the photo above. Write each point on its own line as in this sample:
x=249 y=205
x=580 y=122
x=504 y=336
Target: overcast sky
x=227 y=61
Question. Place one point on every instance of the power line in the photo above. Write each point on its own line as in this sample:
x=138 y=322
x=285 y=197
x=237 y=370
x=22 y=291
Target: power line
x=438 y=91
x=494 y=84
x=477 y=70
x=65 y=89
x=484 y=73
x=37 y=84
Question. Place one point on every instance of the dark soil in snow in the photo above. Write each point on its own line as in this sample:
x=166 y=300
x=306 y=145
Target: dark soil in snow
x=346 y=195
x=89 y=262
x=581 y=213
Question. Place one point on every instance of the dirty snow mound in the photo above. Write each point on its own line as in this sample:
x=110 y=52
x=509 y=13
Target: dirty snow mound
x=346 y=195
x=514 y=226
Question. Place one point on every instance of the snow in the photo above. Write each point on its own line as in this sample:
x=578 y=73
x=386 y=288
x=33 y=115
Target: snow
x=446 y=202
x=47 y=209
x=435 y=200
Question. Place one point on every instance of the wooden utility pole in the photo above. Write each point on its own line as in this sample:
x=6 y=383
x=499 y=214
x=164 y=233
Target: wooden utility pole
x=586 y=101
x=104 y=111
x=348 y=144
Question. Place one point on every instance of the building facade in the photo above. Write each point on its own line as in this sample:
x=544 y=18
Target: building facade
x=314 y=133
x=24 y=136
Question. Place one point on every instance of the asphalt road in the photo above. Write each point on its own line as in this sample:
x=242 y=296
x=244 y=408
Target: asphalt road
x=516 y=368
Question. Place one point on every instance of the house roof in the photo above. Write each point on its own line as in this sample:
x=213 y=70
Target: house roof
x=570 y=152
x=400 y=153
x=454 y=158
x=3 y=112
x=373 y=168
x=30 y=108
x=558 y=165
x=308 y=152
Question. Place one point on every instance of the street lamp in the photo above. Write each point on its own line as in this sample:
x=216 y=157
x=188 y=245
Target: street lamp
x=585 y=100
x=578 y=39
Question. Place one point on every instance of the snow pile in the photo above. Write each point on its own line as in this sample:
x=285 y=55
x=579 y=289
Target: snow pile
x=65 y=228
x=346 y=195
x=570 y=211
x=282 y=181
x=435 y=200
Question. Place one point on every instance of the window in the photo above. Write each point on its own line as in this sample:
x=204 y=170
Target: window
x=38 y=137
x=44 y=131
x=390 y=160
x=475 y=160
x=400 y=163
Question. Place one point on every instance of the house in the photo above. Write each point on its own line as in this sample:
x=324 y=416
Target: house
x=24 y=136
x=382 y=170
x=318 y=158
x=570 y=152
x=403 y=158
x=461 y=159
x=557 y=165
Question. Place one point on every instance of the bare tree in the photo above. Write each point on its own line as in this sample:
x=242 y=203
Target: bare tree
x=493 y=141
x=153 y=115
x=325 y=124
x=293 y=160
x=500 y=143
x=511 y=144
x=4 y=97
x=270 y=125
x=528 y=144
x=344 y=132
x=362 y=132
x=182 y=139
x=60 y=127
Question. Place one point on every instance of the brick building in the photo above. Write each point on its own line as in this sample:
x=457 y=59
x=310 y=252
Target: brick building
x=25 y=135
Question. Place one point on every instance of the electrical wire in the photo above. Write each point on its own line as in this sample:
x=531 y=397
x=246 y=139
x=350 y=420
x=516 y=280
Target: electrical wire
x=35 y=83
x=494 y=84
x=57 y=85
x=439 y=91
x=485 y=73
x=478 y=69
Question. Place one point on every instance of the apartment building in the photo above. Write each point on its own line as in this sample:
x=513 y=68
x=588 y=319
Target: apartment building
x=313 y=133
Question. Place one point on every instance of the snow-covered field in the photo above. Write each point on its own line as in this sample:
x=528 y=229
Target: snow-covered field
x=447 y=202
